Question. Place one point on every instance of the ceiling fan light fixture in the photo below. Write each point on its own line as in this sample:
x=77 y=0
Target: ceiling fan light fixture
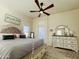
x=41 y=12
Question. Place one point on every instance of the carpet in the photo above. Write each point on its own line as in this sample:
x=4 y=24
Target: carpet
x=56 y=53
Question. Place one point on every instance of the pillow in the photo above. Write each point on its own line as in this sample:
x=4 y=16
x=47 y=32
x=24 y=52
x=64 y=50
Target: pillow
x=17 y=35
x=1 y=37
x=8 y=37
x=22 y=36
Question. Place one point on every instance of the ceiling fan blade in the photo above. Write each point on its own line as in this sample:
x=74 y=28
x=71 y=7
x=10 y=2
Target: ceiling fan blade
x=50 y=6
x=46 y=13
x=34 y=11
x=37 y=2
x=39 y=15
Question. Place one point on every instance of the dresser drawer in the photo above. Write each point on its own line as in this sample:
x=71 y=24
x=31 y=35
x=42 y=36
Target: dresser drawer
x=57 y=40
x=70 y=41
x=55 y=44
x=73 y=47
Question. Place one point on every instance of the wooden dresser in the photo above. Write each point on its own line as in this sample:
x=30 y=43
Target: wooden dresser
x=65 y=42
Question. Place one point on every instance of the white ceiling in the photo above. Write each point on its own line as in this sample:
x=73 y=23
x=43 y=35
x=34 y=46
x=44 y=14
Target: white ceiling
x=24 y=6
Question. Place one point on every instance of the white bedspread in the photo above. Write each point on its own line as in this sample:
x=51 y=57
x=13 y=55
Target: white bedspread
x=16 y=49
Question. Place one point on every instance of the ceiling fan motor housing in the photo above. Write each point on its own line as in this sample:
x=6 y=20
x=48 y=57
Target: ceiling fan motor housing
x=41 y=3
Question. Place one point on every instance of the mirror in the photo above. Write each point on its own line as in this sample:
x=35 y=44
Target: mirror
x=62 y=30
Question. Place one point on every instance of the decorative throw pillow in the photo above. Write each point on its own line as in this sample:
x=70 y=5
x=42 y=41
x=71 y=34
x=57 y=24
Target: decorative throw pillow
x=8 y=37
x=22 y=36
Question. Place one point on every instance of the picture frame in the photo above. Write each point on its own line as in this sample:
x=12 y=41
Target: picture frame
x=12 y=19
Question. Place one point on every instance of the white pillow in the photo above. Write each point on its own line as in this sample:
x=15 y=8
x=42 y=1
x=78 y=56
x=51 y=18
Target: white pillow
x=17 y=35
x=1 y=37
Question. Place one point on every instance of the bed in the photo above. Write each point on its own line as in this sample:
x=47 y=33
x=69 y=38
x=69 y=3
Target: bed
x=16 y=49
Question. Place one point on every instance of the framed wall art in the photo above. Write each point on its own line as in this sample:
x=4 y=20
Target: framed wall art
x=12 y=19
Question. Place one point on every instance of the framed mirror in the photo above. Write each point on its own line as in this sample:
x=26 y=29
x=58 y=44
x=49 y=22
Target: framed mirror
x=62 y=30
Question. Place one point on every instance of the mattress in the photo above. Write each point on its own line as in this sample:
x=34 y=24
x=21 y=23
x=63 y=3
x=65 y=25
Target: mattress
x=16 y=49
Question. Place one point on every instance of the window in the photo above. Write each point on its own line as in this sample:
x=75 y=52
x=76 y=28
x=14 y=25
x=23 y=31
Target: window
x=41 y=32
x=26 y=30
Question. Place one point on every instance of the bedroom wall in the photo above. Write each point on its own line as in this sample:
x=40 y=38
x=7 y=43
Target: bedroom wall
x=24 y=20
x=27 y=22
x=69 y=18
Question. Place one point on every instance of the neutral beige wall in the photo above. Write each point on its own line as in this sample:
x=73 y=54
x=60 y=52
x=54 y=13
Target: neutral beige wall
x=24 y=20
x=27 y=22
x=69 y=18
x=4 y=11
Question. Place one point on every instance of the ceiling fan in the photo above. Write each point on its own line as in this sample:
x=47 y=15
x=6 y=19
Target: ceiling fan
x=41 y=10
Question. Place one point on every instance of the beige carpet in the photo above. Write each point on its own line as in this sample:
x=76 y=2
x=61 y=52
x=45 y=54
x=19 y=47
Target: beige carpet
x=56 y=53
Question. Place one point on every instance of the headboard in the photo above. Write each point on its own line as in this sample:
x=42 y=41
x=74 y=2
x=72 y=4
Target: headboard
x=13 y=30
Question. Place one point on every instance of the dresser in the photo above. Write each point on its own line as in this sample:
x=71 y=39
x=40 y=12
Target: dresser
x=65 y=42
